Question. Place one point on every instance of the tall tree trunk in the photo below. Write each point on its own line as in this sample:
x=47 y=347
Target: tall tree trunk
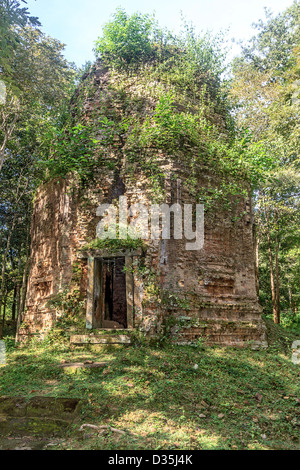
x=4 y=259
x=14 y=304
x=290 y=297
x=24 y=288
x=18 y=294
x=18 y=299
x=274 y=288
x=7 y=130
x=4 y=309
x=291 y=301
x=23 y=298
x=256 y=259
x=273 y=293
x=3 y=270
x=277 y=248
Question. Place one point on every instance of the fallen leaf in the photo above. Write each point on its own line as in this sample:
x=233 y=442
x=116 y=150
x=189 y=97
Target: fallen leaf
x=203 y=403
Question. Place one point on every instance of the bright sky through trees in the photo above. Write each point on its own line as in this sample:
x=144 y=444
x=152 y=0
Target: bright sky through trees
x=78 y=23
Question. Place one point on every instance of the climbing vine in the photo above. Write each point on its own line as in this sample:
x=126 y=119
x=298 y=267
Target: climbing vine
x=164 y=99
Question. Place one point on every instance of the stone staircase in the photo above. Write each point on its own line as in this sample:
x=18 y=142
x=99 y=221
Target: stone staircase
x=102 y=337
x=225 y=322
x=226 y=333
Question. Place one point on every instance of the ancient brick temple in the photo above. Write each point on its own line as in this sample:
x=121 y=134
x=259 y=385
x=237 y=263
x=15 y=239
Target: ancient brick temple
x=158 y=286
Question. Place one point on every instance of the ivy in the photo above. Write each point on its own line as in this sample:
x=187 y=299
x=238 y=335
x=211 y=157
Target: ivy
x=165 y=100
x=113 y=245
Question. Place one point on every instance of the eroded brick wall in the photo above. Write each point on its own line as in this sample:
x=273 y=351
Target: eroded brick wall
x=209 y=292
x=52 y=241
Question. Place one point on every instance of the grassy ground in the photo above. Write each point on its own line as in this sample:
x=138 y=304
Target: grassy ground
x=235 y=399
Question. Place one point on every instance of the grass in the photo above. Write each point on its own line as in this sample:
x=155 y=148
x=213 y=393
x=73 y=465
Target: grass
x=235 y=399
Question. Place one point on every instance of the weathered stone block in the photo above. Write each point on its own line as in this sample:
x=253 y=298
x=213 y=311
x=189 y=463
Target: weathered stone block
x=215 y=284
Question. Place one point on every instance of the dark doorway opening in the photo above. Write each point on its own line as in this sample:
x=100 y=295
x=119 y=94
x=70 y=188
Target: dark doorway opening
x=110 y=306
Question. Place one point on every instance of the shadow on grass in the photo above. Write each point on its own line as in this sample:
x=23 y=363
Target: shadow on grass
x=234 y=399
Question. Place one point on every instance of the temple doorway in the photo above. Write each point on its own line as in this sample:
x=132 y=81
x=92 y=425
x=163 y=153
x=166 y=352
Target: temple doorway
x=110 y=302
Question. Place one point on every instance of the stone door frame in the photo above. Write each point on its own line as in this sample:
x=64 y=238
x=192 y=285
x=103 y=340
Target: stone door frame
x=91 y=256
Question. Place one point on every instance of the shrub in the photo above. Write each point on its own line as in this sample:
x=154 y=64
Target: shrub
x=127 y=40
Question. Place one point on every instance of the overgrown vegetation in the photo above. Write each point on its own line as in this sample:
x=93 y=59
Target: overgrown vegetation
x=133 y=41
x=265 y=88
x=113 y=245
x=191 y=122
x=235 y=399
x=39 y=83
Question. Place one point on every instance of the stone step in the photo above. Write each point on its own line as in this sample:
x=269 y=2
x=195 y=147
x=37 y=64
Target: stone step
x=41 y=416
x=220 y=332
x=112 y=331
x=223 y=327
x=100 y=339
x=99 y=332
x=83 y=365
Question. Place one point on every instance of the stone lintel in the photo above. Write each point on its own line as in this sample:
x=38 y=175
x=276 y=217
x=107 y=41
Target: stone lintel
x=108 y=254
